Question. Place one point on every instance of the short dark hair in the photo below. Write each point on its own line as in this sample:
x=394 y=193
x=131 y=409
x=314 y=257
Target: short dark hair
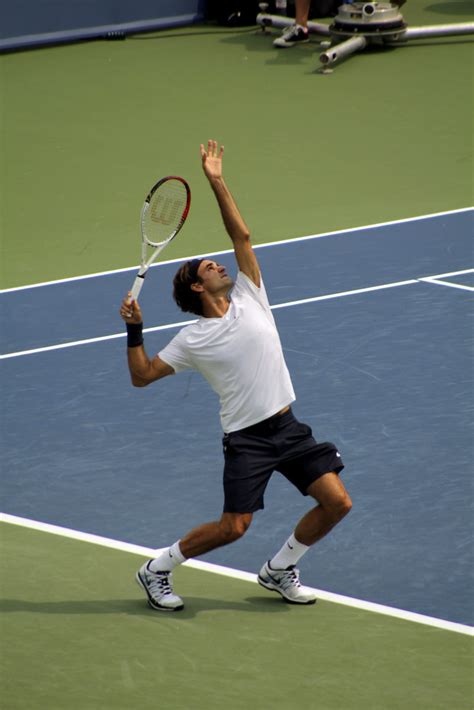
x=188 y=300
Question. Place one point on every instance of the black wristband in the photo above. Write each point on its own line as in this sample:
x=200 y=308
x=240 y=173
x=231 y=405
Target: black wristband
x=134 y=335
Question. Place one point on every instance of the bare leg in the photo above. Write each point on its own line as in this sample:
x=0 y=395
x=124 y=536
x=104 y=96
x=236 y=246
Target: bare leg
x=280 y=574
x=334 y=504
x=302 y=12
x=209 y=536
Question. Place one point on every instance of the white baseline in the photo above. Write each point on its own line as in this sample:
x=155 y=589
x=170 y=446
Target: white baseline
x=338 y=232
x=237 y=574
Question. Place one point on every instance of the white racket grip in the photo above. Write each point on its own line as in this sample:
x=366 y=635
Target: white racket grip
x=137 y=286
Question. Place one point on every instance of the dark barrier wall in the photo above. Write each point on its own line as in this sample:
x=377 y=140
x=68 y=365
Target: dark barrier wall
x=26 y=23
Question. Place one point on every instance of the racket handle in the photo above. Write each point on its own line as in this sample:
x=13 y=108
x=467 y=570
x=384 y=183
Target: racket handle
x=137 y=286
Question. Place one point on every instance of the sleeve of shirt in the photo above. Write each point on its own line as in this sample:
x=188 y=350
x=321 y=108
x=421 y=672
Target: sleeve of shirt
x=176 y=354
x=243 y=284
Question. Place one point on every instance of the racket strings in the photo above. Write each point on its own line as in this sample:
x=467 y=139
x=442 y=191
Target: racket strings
x=165 y=211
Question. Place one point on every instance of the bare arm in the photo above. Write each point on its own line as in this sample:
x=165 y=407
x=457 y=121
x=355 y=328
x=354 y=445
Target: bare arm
x=233 y=221
x=143 y=371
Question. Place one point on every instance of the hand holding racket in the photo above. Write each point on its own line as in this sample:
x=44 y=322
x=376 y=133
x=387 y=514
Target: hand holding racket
x=130 y=310
x=163 y=214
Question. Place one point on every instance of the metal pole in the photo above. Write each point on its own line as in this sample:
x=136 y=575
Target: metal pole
x=344 y=49
x=459 y=28
x=281 y=22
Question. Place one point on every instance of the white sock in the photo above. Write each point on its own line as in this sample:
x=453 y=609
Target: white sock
x=168 y=559
x=290 y=553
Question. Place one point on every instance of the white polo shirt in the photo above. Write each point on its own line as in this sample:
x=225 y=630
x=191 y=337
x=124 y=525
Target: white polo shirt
x=240 y=355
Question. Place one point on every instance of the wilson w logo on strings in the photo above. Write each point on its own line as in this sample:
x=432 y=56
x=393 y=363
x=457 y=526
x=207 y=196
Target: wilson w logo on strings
x=165 y=210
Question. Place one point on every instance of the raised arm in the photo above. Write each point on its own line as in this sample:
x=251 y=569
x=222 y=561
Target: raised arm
x=233 y=221
x=143 y=371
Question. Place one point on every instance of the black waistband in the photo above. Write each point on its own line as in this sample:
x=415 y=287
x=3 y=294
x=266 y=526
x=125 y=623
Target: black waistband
x=267 y=424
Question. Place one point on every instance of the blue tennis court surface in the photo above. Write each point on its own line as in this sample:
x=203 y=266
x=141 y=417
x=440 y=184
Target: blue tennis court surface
x=385 y=374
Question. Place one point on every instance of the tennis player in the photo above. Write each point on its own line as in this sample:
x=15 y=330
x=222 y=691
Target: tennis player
x=236 y=347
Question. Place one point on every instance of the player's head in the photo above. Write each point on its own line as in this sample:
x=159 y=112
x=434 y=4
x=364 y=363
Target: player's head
x=198 y=279
x=187 y=298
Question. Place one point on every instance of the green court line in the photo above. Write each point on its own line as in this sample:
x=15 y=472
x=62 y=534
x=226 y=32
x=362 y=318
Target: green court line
x=77 y=633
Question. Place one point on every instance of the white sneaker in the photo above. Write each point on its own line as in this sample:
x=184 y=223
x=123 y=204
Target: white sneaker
x=295 y=34
x=287 y=583
x=159 y=589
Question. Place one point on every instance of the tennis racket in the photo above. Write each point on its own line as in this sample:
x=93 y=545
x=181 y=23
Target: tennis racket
x=163 y=214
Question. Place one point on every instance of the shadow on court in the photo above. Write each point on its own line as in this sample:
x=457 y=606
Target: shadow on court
x=456 y=7
x=138 y=607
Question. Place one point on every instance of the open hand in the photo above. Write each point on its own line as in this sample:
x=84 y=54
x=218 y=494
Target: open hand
x=212 y=160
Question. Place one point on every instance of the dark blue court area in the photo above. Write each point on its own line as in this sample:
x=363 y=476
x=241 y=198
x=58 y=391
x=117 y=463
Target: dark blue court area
x=386 y=374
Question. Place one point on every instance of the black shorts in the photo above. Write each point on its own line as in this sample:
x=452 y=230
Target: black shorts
x=280 y=443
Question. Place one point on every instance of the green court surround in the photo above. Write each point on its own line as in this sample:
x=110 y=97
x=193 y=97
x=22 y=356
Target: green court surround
x=77 y=634
x=88 y=128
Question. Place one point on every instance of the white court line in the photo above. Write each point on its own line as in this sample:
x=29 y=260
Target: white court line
x=341 y=294
x=89 y=341
x=438 y=282
x=238 y=574
x=102 y=338
x=351 y=230
x=450 y=273
x=288 y=304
